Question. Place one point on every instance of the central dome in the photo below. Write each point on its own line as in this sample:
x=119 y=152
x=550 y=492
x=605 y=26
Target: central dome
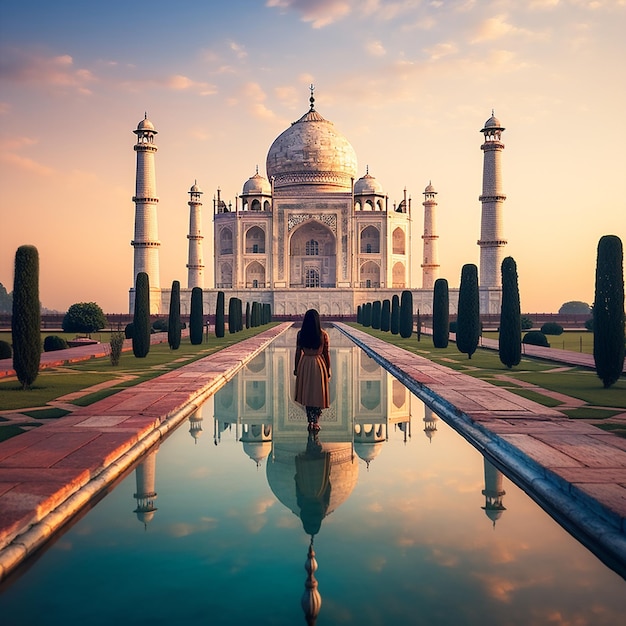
x=312 y=153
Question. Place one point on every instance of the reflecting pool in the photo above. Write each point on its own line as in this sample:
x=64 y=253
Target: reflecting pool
x=408 y=523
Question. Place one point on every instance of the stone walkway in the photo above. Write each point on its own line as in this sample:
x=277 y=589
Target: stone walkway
x=572 y=469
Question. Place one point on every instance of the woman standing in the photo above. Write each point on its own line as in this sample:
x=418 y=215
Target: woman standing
x=312 y=368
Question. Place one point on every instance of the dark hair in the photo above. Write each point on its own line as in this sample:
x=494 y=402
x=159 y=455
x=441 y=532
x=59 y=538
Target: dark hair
x=311 y=331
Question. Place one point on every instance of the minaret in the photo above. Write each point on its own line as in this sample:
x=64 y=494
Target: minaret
x=430 y=265
x=145 y=475
x=493 y=492
x=195 y=267
x=491 y=238
x=146 y=242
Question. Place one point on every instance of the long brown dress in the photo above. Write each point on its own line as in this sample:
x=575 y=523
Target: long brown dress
x=312 y=369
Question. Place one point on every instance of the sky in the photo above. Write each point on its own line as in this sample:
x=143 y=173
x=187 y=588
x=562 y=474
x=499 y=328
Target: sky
x=410 y=83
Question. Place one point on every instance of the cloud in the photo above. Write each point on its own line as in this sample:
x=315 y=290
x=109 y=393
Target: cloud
x=319 y=13
x=254 y=97
x=9 y=155
x=375 y=49
x=441 y=50
x=497 y=27
x=58 y=71
x=239 y=50
x=183 y=83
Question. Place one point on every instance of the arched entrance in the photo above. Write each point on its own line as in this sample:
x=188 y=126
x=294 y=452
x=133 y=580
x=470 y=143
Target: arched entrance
x=312 y=256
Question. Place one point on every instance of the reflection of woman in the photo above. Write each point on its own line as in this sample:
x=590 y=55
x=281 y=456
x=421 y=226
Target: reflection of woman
x=312 y=368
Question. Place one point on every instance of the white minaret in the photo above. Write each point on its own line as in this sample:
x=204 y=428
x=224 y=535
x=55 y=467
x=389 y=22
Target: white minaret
x=491 y=240
x=146 y=242
x=430 y=265
x=195 y=266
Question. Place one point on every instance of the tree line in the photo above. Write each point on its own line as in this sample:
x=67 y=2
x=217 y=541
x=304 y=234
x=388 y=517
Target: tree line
x=395 y=315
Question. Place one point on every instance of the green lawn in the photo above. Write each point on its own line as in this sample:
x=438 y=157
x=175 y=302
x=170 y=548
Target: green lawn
x=55 y=382
x=574 y=340
x=485 y=364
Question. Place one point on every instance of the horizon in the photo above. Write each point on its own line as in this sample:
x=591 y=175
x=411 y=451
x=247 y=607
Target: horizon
x=410 y=85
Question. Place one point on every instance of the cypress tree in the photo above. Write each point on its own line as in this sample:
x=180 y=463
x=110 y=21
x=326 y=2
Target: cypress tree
x=358 y=314
x=232 y=315
x=406 y=314
x=254 y=321
x=219 y=315
x=141 y=316
x=239 y=315
x=441 y=313
x=510 y=336
x=418 y=325
x=608 y=310
x=173 y=320
x=196 y=317
x=376 y=313
x=269 y=312
x=385 y=316
x=394 y=325
x=367 y=314
x=247 y=314
x=26 y=316
x=468 y=318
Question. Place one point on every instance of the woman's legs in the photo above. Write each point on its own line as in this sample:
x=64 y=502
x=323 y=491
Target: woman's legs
x=312 y=415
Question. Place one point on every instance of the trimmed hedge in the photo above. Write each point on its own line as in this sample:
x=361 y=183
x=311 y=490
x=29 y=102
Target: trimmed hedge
x=54 y=342
x=536 y=338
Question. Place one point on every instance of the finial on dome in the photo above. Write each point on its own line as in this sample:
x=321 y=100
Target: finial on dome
x=312 y=99
x=493 y=112
x=367 y=170
x=145 y=115
x=257 y=169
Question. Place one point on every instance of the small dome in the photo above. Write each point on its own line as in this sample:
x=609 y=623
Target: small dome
x=195 y=189
x=146 y=124
x=429 y=189
x=257 y=184
x=492 y=123
x=367 y=185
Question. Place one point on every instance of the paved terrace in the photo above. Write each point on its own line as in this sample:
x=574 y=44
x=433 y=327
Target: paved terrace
x=575 y=470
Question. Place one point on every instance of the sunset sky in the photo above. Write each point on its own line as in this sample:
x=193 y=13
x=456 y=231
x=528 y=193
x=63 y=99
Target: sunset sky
x=410 y=83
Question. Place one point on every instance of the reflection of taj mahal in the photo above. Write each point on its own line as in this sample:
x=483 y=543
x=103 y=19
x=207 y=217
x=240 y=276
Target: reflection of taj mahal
x=310 y=234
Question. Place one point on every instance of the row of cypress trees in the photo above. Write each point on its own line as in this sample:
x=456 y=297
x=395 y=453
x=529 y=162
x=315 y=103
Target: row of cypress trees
x=395 y=315
x=257 y=313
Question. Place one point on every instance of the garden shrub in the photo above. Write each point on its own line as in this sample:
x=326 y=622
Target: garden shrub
x=536 y=338
x=54 y=342
x=116 y=342
x=5 y=350
x=526 y=322
x=552 y=328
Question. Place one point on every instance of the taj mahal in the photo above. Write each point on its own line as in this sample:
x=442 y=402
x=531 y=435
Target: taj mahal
x=311 y=234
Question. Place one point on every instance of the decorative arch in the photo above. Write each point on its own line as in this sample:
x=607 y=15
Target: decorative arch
x=226 y=275
x=398 y=241
x=398 y=393
x=256 y=205
x=255 y=240
x=255 y=275
x=398 y=276
x=370 y=240
x=370 y=275
x=312 y=255
x=226 y=241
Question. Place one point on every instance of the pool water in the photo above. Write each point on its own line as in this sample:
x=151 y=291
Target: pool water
x=409 y=523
